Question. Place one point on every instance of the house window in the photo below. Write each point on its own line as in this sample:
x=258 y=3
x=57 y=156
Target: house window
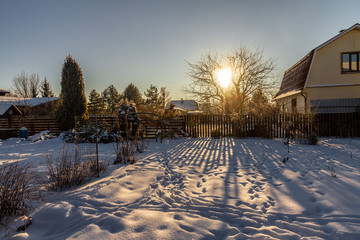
x=350 y=62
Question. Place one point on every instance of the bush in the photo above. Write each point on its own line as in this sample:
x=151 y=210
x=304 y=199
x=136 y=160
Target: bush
x=313 y=139
x=15 y=189
x=126 y=148
x=70 y=169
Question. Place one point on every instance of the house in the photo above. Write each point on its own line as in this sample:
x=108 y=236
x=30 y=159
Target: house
x=327 y=79
x=39 y=106
x=184 y=106
x=8 y=109
x=3 y=92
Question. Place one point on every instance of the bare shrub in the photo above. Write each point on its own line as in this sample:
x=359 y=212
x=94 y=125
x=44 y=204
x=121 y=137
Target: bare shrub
x=127 y=148
x=70 y=169
x=16 y=190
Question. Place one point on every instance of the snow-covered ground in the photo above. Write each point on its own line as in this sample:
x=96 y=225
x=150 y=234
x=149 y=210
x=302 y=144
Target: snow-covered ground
x=204 y=189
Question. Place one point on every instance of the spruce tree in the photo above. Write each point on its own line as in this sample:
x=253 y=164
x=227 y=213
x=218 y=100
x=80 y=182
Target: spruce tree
x=132 y=93
x=72 y=97
x=259 y=103
x=96 y=103
x=45 y=89
x=34 y=84
x=156 y=100
x=152 y=98
x=111 y=98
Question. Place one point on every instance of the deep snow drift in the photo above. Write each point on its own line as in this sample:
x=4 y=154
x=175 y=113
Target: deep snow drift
x=204 y=189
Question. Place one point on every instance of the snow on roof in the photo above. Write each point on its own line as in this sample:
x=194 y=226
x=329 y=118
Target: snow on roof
x=187 y=105
x=3 y=91
x=31 y=102
x=4 y=107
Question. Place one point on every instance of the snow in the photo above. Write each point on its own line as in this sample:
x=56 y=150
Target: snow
x=203 y=189
x=4 y=107
x=26 y=101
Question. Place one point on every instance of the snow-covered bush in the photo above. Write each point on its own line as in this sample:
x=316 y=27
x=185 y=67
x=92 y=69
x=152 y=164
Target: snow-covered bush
x=105 y=134
x=15 y=189
x=128 y=119
x=70 y=169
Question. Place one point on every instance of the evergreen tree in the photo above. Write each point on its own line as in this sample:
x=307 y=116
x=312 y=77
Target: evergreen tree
x=72 y=97
x=96 y=103
x=132 y=93
x=156 y=100
x=152 y=98
x=259 y=103
x=45 y=89
x=111 y=98
x=34 y=84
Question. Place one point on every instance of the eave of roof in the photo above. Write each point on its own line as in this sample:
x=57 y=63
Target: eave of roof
x=288 y=94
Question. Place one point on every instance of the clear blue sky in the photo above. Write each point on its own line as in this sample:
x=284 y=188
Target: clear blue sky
x=147 y=42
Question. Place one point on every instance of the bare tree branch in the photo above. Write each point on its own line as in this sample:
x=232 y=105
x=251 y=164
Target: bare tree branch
x=250 y=72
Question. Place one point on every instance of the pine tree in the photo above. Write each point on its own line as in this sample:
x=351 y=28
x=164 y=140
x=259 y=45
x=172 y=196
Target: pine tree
x=111 y=99
x=45 y=89
x=34 y=84
x=156 y=100
x=72 y=97
x=259 y=103
x=96 y=103
x=152 y=98
x=132 y=93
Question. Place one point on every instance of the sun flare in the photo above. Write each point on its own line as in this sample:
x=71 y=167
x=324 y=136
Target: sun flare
x=224 y=77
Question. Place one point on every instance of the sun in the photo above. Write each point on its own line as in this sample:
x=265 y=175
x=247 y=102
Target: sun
x=224 y=77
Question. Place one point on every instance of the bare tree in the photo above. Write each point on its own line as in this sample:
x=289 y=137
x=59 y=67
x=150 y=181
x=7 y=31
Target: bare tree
x=25 y=85
x=249 y=72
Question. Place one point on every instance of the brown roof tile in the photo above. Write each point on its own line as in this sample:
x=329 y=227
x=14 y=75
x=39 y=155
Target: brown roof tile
x=295 y=77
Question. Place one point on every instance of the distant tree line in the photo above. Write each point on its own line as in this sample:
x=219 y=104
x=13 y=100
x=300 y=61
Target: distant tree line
x=108 y=101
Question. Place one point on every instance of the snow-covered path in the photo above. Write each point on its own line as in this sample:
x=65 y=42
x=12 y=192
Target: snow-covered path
x=212 y=189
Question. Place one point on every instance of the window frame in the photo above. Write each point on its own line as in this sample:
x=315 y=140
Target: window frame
x=350 y=55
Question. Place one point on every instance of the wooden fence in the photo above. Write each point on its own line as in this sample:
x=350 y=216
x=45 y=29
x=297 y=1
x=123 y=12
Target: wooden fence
x=151 y=124
x=33 y=125
x=274 y=126
x=271 y=126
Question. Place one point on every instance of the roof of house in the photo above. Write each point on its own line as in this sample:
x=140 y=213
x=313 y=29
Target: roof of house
x=4 y=107
x=3 y=91
x=185 y=105
x=295 y=78
x=30 y=102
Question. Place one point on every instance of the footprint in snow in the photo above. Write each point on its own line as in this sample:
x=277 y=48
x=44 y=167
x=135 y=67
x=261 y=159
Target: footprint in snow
x=187 y=228
x=177 y=217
